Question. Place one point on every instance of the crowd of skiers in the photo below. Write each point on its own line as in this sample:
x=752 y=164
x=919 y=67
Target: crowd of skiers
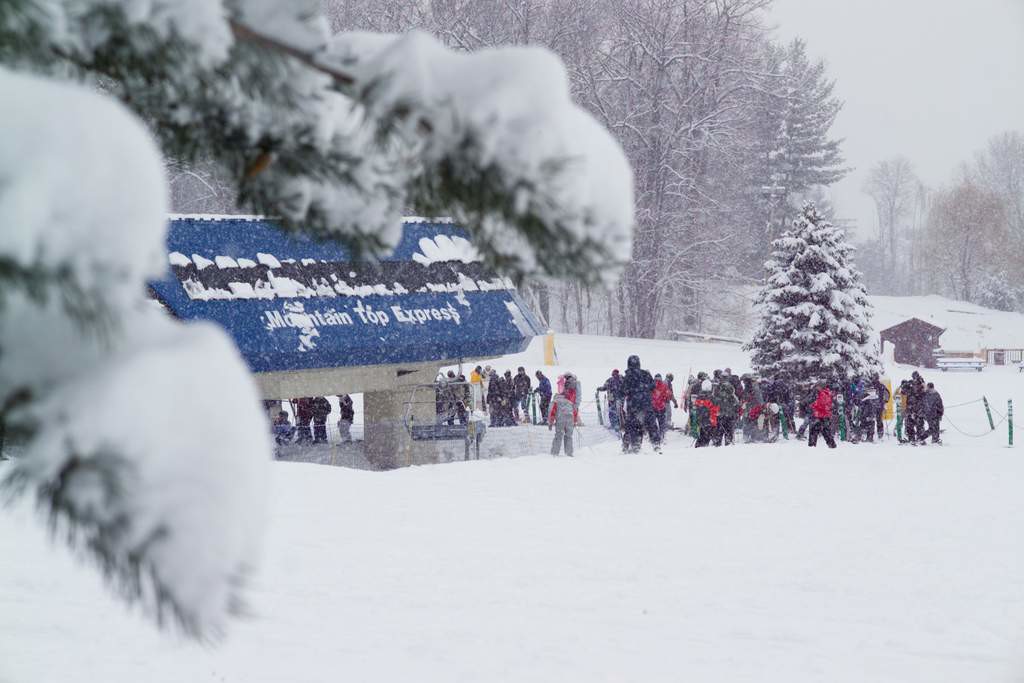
x=504 y=398
x=507 y=400
x=311 y=413
x=638 y=404
x=764 y=409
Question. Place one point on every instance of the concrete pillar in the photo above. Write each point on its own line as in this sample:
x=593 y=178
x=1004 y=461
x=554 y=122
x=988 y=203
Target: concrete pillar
x=386 y=441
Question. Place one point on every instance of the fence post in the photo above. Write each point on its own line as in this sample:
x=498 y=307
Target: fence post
x=1009 y=419
x=533 y=406
x=988 y=411
x=842 y=419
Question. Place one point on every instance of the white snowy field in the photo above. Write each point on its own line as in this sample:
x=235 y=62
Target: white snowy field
x=752 y=563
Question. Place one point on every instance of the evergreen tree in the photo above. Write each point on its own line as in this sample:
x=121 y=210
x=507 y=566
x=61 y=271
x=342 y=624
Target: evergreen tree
x=794 y=150
x=814 y=310
x=141 y=439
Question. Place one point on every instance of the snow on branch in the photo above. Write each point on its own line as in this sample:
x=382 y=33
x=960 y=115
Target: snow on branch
x=337 y=137
x=157 y=486
x=502 y=123
x=163 y=491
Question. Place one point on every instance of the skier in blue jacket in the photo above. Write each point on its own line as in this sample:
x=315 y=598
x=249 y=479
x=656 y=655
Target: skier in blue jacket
x=544 y=393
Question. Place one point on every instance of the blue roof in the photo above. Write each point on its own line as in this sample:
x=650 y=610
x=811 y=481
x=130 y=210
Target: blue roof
x=293 y=303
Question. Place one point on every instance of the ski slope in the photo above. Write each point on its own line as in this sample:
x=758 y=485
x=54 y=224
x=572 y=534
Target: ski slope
x=753 y=563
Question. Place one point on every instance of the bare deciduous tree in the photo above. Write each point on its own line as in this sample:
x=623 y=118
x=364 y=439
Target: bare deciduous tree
x=966 y=236
x=685 y=86
x=893 y=186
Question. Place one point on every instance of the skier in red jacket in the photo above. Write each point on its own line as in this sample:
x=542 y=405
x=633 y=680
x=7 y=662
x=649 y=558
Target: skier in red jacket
x=660 y=398
x=821 y=417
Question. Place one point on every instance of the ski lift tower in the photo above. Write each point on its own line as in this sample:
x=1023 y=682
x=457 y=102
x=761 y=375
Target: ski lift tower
x=312 y=321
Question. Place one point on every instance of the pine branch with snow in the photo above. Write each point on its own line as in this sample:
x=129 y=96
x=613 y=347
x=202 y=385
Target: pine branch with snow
x=335 y=137
x=338 y=135
x=159 y=487
x=814 y=310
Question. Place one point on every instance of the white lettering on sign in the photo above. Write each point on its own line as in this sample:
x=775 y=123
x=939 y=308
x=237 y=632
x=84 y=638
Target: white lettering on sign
x=294 y=315
x=421 y=316
x=302 y=319
x=368 y=314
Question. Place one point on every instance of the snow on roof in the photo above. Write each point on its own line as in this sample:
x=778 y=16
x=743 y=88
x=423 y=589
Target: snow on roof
x=968 y=327
x=292 y=303
x=213 y=217
x=253 y=217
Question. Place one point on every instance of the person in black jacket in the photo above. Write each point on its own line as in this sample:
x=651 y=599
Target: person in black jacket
x=883 y=394
x=635 y=393
x=543 y=394
x=782 y=395
x=932 y=410
x=915 y=413
x=613 y=385
x=805 y=411
x=494 y=392
x=321 y=408
x=346 y=416
x=508 y=399
x=522 y=386
x=303 y=416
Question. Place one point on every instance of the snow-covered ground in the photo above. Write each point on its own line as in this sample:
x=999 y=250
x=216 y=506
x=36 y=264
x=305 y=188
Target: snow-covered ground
x=753 y=563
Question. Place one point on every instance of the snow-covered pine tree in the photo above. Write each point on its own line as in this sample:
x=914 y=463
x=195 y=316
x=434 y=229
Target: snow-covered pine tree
x=141 y=439
x=814 y=310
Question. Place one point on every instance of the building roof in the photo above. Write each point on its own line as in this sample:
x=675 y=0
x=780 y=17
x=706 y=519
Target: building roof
x=913 y=324
x=293 y=303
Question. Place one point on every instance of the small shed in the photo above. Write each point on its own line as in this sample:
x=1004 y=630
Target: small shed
x=914 y=342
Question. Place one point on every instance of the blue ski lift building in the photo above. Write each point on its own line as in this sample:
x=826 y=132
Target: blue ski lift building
x=311 y=321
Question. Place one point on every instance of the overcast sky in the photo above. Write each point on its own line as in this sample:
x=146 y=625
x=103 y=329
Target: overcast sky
x=929 y=79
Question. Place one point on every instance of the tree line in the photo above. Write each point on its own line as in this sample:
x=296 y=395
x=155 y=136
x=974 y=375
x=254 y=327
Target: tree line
x=964 y=239
x=727 y=131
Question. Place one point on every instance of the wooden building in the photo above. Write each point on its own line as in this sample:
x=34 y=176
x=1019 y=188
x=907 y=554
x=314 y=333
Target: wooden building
x=914 y=341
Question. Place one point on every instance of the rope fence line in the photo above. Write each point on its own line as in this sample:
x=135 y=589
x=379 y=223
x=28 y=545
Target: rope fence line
x=975 y=436
x=968 y=403
x=989 y=409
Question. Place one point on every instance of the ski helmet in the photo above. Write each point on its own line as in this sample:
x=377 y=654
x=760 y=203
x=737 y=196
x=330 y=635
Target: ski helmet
x=633 y=362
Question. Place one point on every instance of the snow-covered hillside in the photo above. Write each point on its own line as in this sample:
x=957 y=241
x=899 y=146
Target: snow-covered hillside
x=753 y=563
x=969 y=327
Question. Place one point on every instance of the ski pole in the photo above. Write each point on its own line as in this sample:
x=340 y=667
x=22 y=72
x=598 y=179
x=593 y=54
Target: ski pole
x=988 y=411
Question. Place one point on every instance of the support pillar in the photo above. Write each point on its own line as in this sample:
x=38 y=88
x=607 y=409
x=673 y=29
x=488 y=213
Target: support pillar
x=387 y=443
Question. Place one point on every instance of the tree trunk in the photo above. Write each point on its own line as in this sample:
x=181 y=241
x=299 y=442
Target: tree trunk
x=544 y=302
x=579 y=308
